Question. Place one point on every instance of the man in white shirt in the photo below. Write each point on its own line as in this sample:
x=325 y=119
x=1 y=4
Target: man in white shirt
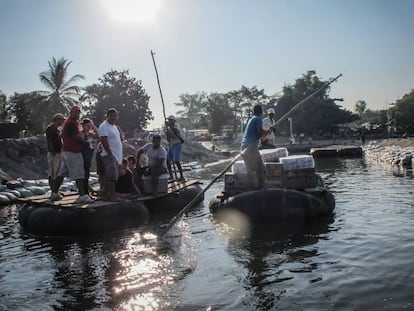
x=156 y=160
x=111 y=152
x=268 y=139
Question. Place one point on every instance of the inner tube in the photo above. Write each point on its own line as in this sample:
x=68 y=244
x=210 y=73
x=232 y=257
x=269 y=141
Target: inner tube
x=277 y=206
x=4 y=200
x=77 y=220
x=174 y=201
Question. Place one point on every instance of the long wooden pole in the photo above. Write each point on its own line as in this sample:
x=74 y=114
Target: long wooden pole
x=193 y=201
x=159 y=85
x=162 y=101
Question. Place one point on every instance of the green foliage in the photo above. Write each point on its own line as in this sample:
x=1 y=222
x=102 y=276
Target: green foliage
x=320 y=114
x=62 y=93
x=28 y=113
x=374 y=117
x=3 y=103
x=193 y=112
x=402 y=113
x=218 y=111
x=202 y=110
x=118 y=90
x=360 y=107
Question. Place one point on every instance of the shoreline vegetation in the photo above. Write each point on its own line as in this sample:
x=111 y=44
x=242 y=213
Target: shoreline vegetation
x=26 y=157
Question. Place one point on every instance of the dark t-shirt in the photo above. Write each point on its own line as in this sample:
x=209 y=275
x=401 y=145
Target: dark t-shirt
x=54 y=142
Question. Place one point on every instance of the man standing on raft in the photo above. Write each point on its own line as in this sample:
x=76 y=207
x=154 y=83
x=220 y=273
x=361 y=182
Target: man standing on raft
x=251 y=156
x=174 y=151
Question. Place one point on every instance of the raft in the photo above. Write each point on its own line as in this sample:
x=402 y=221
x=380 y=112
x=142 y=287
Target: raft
x=277 y=206
x=294 y=192
x=41 y=216
x=77 y=219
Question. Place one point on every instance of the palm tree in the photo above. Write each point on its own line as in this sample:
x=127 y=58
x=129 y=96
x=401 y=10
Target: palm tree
x=62 y=93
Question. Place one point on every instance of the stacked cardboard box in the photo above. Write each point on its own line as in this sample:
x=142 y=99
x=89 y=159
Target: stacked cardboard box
x=273 y=174
x=299 y=178
x=238 y=167
x=239 y=182
x=298 y=172
x=297 y=162
x=273 y=155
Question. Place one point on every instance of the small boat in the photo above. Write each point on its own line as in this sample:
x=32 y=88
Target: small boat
x=294 y=193
x=41 y=216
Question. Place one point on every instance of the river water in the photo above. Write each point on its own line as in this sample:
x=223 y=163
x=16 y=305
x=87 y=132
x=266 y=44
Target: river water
x=360 y=259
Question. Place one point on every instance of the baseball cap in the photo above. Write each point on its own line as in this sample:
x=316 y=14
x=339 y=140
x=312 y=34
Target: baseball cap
x=270 y=110
x=58 y=116
x=171 y=117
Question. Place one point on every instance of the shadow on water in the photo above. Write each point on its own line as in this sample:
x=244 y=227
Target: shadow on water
x=274 y=257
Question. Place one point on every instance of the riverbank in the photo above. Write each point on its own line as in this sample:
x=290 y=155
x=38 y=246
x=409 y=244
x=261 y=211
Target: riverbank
x=26 y=157
x=394 y=151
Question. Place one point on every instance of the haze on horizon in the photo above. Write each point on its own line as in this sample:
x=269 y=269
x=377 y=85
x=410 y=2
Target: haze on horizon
x=214 y=46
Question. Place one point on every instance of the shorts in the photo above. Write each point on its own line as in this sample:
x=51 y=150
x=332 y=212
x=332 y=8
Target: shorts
x=53 y=162
x=87 y=155
x=111 y=168
x=174 y=152
x=253 y=160
x=154 y=171
x=72 y=165
x=100 y=166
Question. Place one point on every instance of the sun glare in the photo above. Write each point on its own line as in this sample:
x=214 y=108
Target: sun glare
x=132 y=10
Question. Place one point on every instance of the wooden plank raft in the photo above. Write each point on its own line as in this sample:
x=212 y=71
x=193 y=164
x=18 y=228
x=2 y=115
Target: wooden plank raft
x=70 y=197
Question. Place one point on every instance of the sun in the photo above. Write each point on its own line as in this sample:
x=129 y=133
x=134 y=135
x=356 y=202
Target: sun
x=132 y=10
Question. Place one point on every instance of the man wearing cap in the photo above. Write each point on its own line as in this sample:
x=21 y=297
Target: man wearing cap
x=156 y=160
x=54 y=147
x=112 y=153
x=268 y=139
x=72 y=160
x=175 y=141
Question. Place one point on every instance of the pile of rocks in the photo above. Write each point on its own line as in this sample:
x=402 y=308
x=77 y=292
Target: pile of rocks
x=393 y=152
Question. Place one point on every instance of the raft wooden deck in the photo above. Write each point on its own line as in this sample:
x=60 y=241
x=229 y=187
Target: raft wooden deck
x=69 y=198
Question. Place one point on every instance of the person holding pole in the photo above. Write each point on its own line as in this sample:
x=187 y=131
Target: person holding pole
x=268 y=139
x=251 y=156
x=174 y=151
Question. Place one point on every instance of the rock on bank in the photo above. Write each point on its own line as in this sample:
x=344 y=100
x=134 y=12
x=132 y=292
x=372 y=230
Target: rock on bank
x=24 y=157
x=391 y=151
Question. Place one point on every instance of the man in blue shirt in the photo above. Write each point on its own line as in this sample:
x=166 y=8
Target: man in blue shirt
x=251 y=156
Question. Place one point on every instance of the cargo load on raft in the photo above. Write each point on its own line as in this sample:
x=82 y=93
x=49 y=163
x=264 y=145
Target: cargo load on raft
x=294 y=191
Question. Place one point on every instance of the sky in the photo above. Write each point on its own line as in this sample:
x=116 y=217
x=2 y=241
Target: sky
x=214 y=45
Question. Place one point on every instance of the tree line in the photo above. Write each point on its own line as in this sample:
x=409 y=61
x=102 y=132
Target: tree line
x=32 y=111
